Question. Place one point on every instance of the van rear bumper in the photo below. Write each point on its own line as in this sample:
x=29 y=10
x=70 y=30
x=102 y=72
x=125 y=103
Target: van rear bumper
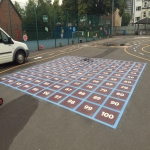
x=27 y=53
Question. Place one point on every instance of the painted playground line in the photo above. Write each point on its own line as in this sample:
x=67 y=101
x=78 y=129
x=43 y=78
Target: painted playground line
x=96 y=88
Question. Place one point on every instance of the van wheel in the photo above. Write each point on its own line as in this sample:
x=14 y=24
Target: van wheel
x=20 y=57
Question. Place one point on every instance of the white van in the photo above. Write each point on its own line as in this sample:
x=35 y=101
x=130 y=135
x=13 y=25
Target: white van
x=11 y=50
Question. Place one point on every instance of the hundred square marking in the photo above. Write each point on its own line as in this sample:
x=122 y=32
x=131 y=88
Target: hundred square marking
x=98 y=89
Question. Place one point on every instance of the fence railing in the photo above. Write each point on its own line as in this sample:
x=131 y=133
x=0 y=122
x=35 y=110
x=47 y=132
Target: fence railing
x=53 y=28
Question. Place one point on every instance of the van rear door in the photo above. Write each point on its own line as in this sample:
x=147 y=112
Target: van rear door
x=6 y=49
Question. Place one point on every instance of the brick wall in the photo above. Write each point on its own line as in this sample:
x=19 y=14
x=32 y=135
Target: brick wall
x=14 y=19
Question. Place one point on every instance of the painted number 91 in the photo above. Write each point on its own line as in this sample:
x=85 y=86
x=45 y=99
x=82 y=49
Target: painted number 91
x=107 y=115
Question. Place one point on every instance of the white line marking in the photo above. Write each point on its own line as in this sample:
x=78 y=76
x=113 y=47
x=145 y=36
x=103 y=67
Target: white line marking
x=37 y=57
x=51 y=54
x=141 y=53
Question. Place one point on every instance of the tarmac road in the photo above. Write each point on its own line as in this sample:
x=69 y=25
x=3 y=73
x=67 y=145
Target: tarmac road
x=28 y=123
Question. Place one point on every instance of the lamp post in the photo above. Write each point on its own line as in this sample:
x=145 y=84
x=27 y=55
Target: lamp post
x=147 y=17
x=36 y=25
x=112 y=16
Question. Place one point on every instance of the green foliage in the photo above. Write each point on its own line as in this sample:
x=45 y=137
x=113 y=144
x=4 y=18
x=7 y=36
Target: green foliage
x=126 y=17
x=19 y=9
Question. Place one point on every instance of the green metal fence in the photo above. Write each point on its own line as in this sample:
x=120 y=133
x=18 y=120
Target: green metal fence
x=57 y=28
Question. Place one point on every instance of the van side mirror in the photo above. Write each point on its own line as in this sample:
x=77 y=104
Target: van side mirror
x=10 y=41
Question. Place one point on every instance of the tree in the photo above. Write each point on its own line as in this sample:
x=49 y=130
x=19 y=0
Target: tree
x=126 y=17
x=94 y=7
x=70 y=6
x=20 y=10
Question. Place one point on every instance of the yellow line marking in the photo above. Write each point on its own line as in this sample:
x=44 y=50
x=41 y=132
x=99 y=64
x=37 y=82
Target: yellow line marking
x=37 y=61
x=49 y=52
x=135 y=55
x=145 y=50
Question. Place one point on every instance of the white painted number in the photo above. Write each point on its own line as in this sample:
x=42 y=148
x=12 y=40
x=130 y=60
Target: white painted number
x=103 y=90
x=26 y=86
x=127 y=81
x=89 y=86
x=114 y=103
x=95 y=81
x=110 y=84
x=35 y=89
x=71 y=101
x=124 y=87
x=119 y=94
x=68 y=89
x=110 y=116
x=46 y=93
x=58 y=96
x=57 y=86
x=88 y=107
x=81 y=93
x=97 y=98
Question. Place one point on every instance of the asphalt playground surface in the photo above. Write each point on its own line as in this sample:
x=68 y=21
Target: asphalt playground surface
x=58 y=100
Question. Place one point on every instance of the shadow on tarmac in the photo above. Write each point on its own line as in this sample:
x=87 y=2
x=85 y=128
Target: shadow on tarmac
x=13 y=117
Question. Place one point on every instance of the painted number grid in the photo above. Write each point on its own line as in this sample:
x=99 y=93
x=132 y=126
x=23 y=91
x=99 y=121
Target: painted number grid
x=98 y=89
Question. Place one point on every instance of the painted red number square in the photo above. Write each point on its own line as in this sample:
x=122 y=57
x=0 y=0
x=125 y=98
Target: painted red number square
x=131 y=77
x=10 y=81
x=46 y=83
x=97 y=98
x=89 y=87
x=56 y=97
x=114 y=103
x=81 y=93
x=71 y=102
x=76 y=83
x=109 y=84
x=129 y=82
x=45 y=93
x=95 y=81
x=114 y=79
x=56 y=86
x=107 y=116
x=26 y=86
x=37 y=81
x=35 y=89
x=18 y=83
x=104 y=90
x=87 y=108
x=124 y=87
x=120 y=94
x=67 y=90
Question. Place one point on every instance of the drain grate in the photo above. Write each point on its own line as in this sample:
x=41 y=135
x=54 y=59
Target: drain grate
x=113 y=44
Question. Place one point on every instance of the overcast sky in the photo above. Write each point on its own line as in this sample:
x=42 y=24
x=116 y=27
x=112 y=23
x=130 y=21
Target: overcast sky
x=23 y=2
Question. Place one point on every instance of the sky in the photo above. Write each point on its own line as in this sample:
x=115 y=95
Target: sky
x=23 y=2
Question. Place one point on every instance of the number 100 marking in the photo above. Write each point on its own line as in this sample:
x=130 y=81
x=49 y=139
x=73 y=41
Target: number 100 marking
x=110 y=116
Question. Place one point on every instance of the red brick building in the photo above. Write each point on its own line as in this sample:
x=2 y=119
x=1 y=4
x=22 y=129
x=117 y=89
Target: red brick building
x=10 y=20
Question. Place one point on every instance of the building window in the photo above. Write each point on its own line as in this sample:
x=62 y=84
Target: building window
x=137 y=18
x=144 y=14
x=138 y=8
x=145 y=4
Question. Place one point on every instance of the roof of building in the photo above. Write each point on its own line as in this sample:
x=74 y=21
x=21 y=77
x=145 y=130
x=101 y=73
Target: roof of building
x=13 y=7
x=143 y=21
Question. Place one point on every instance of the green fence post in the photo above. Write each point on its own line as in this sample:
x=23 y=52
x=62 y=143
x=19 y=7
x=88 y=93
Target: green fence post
x=54 y=26
x=68 y=27
x=78 y=27
x=86 y=27
x=36 y=27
